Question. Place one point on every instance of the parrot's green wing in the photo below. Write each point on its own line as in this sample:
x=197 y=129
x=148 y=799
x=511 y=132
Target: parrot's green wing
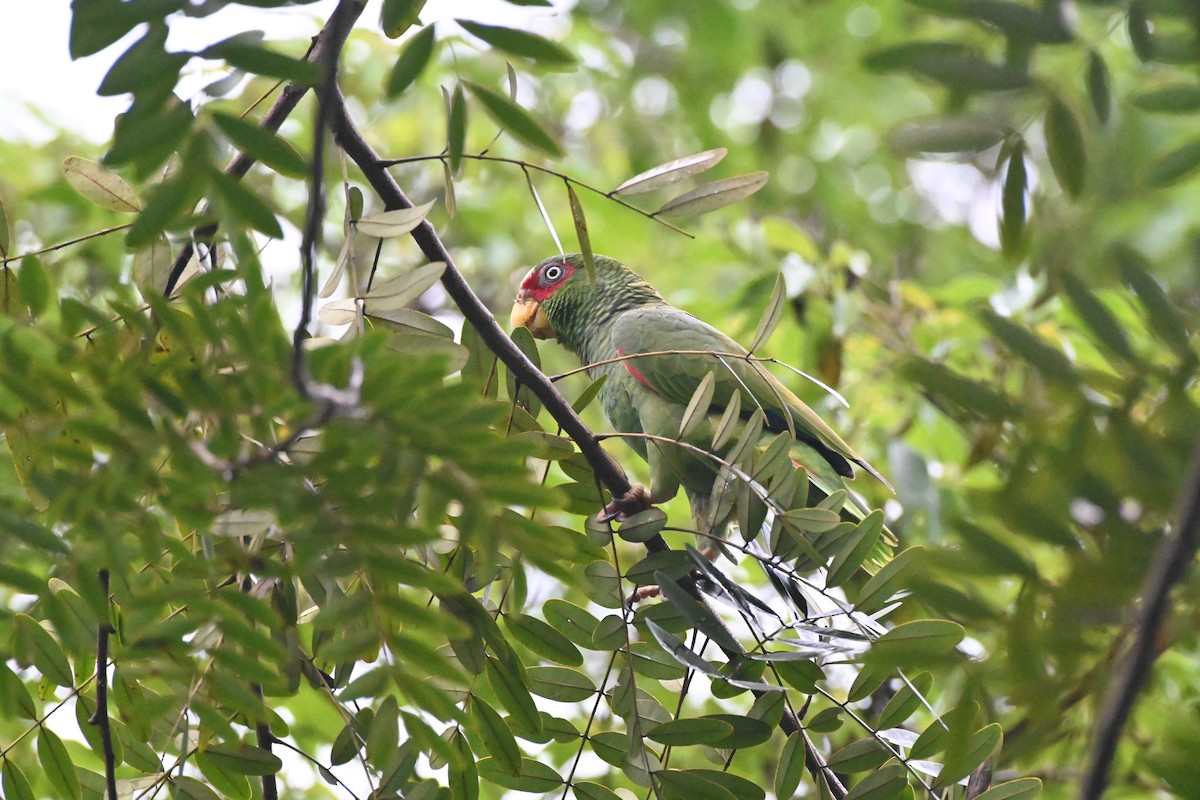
x=677 y=375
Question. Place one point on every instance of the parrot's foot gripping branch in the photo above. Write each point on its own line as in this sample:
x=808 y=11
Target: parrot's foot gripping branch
x=621 y=508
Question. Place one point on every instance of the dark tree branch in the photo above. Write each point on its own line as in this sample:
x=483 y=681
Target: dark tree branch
x=607 y=471
x=331 y=39
x=100 y=717
x=1173 y=557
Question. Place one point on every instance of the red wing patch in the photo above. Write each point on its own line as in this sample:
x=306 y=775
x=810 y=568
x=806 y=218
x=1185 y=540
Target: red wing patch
x=634 y=371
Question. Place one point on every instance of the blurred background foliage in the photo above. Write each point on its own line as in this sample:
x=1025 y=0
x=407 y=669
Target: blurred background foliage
x=985 y=213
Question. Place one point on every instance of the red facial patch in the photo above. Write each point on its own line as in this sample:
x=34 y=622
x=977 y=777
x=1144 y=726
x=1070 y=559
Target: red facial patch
x=544 y=279
x=634 y=371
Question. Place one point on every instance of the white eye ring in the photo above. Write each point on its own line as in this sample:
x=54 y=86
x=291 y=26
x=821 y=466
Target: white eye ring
x=552 y=273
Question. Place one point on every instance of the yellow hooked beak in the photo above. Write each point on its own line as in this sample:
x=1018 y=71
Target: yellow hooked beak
x=528 y=313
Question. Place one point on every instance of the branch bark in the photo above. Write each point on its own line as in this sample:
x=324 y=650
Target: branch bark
x=1171 y=561
x=100 y=718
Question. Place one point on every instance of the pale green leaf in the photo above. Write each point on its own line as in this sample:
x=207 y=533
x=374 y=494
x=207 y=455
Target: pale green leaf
x=99 y=184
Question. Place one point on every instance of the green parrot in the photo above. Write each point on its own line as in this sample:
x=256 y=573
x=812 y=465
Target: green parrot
x=610 y=324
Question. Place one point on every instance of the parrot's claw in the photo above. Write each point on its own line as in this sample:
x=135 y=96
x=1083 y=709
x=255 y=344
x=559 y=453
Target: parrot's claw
x=621 y=508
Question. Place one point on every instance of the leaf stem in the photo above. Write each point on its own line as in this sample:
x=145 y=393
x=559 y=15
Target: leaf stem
x=525 y=165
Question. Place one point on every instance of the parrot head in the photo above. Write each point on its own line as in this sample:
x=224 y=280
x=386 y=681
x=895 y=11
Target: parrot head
x=557 y=301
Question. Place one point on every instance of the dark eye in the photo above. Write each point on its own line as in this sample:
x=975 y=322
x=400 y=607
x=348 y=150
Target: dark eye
x=552 y=273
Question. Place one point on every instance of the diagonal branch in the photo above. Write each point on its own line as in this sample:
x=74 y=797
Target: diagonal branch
x=1171 y=560
x=477 y=314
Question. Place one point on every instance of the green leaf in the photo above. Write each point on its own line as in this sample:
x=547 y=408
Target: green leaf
x=712 y=196
x=229 y=782
x=14 y=783
x=397 y=16
x=675 y=563
x=1139 y=31
x=570 y=620
x=497 y=739
x=944 y=384
x=905 y=701
x=96 y=25
x=60 y=770
x=581 y=233
x=263 y=61
x=561 y=684
x=1020 y=789
x=243 y=759
x=1012 y=203
x=1173 y=167
x=917 y=640
x=1047 y=360
x=41 y=648
x=682 y=732
x=589 y=394
x=245 y=206
x=165 y=204
x=747 y=731
x=885 y=784
x=860 y=756
x=102 y=186
x=516 y=120
x=727 y=425
x=688 y=785
x=32 y=285
x=513 y=694
x=1096 y=316
x=397 y=222
x=383 y=736
x=187 y=788
x=982 y=744
x=1175 y=98
x=542 y=639
x=463 y=778
x=698 y=406
x=855 y=549
x=535 y=777
x=264 y=145
x=456 y=127
x=1099 y=87
x=520 y=43
x=1065 y=147
x=885 y=583
x=827 y=720
x=771 y=314
x=15 y=699
x=1163 y=317
x=145 y=65
x=672 y=172
x=412 y=61
x=948 y=135
x=147 y=138
x=790 y=768
x=587 y=790
x=644 y=525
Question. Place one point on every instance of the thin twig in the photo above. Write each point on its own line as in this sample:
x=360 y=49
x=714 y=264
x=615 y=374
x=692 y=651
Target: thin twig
x=60 y=245
x=525 y=165
x=1171 y=561
x=100 y=718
